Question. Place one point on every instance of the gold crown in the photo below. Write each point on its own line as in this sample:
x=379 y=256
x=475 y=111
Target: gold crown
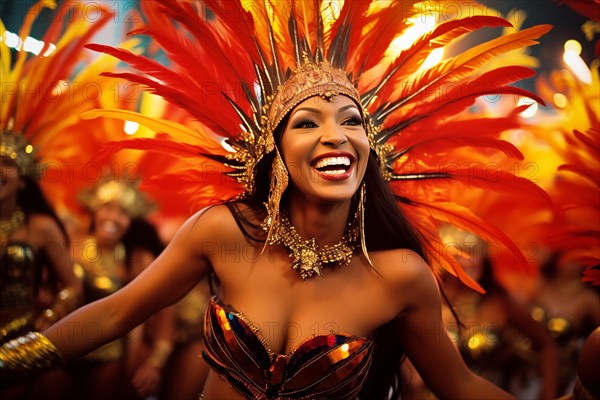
x=126 y=194
x=310 y=79
x=16 y=147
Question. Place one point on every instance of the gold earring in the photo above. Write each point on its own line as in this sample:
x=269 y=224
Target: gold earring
x=279 y=182
x=361 y=220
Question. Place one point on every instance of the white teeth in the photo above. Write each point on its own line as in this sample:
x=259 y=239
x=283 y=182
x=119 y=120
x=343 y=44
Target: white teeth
x=109 y=227
x=334 y=172
x=325 y=162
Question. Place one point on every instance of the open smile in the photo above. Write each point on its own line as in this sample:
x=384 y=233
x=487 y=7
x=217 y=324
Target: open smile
x=109 y=227
x=334 y=166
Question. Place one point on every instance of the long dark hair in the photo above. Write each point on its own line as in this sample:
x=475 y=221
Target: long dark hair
x=31 y=199
x=488 y=280
x=386 y=228
x=141 y=234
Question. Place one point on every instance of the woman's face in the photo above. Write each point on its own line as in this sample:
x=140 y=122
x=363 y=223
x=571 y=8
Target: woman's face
x=10 y=179
x=325 y=148
x=110 y=223
x=472 y=263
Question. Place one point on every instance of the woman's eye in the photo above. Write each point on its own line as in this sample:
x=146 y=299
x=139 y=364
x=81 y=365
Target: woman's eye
x=305 y=123
x=354 y=121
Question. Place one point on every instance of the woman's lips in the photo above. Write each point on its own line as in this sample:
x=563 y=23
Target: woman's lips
x=334 y=166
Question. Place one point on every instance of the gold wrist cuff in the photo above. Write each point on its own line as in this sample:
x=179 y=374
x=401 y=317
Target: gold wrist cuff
x=27 y=356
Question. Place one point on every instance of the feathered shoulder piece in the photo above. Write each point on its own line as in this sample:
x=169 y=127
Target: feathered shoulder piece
x=237 y=68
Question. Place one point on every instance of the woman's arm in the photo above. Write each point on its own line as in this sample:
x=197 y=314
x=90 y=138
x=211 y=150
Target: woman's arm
x=53 y=244
x=147 y=375
x=147 y=372
x=423 y=336
x=175 y=272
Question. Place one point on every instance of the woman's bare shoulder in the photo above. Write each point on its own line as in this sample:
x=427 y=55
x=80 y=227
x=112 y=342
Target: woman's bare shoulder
x=407 y=273
x=219 y=222
x=214 y=219
x=402 y=266
x=45 y=228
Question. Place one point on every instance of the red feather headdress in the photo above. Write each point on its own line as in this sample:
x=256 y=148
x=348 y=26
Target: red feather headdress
x=228 y=61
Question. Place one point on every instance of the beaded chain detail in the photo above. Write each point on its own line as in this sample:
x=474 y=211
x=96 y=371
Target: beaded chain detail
x=309 y=258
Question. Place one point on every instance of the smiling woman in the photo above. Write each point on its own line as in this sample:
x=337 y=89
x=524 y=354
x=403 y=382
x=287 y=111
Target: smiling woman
x=322 y=280
x=106 y=259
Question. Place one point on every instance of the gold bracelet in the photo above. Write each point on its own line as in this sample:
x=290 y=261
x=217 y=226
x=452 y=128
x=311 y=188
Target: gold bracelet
x=27 y=356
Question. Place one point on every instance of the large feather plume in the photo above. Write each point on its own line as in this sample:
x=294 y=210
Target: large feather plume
x=570 y=137
x=227 y=57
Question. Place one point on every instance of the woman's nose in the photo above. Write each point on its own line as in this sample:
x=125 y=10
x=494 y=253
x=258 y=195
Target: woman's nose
x=333 y=135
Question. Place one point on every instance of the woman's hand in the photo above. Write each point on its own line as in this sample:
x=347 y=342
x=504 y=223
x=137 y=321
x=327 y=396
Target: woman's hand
x=146 y=380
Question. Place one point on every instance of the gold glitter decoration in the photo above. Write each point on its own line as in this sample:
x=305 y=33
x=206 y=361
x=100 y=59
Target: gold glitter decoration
x=9 y=225
x=126 y=194
x=15 y=147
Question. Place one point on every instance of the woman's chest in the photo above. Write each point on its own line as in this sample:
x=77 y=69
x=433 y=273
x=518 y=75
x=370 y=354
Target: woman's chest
x=289 y=312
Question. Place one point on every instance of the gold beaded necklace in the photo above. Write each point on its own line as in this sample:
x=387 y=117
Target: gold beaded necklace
x=10 y=224
x=309 y=258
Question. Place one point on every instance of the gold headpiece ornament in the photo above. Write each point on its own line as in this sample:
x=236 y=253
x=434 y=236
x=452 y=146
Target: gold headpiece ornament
x=310 y=79
x=260 y=59
x=125 y=193
x=17 y=148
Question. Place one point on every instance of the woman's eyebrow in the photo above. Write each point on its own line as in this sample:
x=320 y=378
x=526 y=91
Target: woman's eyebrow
x=348 y=107
x=317 y=111
x=312 y=110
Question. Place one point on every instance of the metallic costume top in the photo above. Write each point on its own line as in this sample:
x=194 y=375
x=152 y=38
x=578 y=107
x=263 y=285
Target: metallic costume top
x=17 y=288
x=331 y=366
x=100 y=270
x=17 y=275
x=189 y=314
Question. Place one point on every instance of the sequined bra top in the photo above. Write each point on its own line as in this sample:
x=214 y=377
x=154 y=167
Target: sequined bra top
x=324 y=367
x=17 y=275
